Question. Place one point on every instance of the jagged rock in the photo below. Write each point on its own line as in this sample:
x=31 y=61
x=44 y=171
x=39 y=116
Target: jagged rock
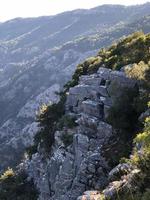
x=106 y=101
x=80 y=93
x=119 y=170
x=88 y=121
x=104 y=130
x=93 y=80
x=81 y=145
x=104 y=73
x=92 y=108
x=70 y=171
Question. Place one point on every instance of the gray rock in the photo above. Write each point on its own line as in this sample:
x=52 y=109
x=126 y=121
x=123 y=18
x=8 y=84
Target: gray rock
x=93 y=80
x=88 y=121
x=68 y=172
x=120 y=170
x=104 y=130
x=92 y=108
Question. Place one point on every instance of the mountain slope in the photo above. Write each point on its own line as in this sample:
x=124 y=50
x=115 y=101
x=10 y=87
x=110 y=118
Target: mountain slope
x=33 y=68
x=84 y=136
x=39 y=34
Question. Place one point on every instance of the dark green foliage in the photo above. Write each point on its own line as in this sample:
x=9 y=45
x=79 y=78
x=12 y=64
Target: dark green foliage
x=17 y=187
x=67 y=122
x=137 y=195
x=31 y=150
x=67 y=139
x=122 y=114
x=146 y=195
x=141 y=73
x=51 y=118
x=117 y=148
x=140 y=187
x=48 y=119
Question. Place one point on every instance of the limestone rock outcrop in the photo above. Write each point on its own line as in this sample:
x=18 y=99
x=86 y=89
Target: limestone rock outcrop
x=79 y=167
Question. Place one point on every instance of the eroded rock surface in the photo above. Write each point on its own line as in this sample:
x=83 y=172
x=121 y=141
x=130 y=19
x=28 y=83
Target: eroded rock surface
x=69 y=171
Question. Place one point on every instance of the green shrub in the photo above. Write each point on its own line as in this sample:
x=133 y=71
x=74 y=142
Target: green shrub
x=67 y=139
x=66 y=121
x=129 y=50
x=122 y=114
x=124 y=119
x=31 y=150
x=90 y=66
x=15 y=186
x=141 y=72
x=146 y=195
x=141 y=160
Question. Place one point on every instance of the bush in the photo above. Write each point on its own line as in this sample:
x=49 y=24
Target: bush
x=90 y=66
x=141 y=160
x=66 y=121
x=126 y=51
x=122 y=114
x=141 y=72
x=141 y=157
x=15 y=186
x=67 y=139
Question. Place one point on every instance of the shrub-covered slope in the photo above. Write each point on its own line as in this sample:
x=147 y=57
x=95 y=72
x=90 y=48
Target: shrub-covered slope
x=133 y=49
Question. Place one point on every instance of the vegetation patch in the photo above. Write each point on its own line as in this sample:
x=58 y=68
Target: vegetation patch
x=48 y=118
x=129 y=50
x=16 y=186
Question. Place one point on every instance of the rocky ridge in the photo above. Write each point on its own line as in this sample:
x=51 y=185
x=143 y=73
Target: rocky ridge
x=71 y=170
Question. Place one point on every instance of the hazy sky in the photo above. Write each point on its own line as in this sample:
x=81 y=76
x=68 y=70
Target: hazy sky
x=31 y=8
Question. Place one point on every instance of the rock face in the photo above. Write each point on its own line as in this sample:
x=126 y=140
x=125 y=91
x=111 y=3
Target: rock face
x=79 y=167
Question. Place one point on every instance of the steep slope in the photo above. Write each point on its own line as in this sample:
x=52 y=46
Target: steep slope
x=32 y=68
x=85 y=134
